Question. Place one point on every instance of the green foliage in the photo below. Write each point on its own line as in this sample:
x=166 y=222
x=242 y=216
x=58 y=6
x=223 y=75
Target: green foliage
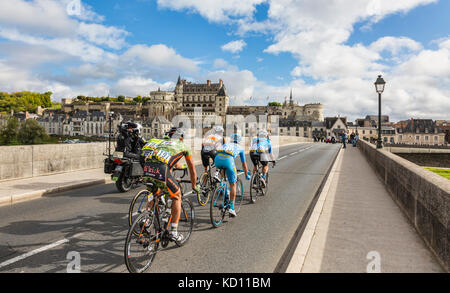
x=24 y=101
x=31 y=132
x=138 y=99
x=443 y=172
x=8 y=134
x=274 y=104
x=121 y=98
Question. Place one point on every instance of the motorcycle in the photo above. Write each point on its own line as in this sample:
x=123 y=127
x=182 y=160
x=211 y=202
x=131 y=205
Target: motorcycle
x=126 y=171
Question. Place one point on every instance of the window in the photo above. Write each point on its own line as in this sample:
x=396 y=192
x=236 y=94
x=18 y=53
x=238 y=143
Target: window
x=417 y=137
x=435 y=138
x=426 y=138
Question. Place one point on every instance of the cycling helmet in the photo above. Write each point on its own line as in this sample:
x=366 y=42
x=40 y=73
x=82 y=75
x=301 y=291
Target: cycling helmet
x=176 y=133
x=137 y=129
x=236 y=138
x=263 y=134
x=218 y=129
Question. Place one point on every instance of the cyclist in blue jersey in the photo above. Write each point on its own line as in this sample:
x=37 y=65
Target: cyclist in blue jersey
x=261 y=152
x=225 y=157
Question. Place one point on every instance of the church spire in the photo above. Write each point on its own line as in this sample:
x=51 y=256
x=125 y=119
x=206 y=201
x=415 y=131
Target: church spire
x=179 y=80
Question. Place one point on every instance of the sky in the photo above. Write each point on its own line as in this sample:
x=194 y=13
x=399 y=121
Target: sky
x=327 y=51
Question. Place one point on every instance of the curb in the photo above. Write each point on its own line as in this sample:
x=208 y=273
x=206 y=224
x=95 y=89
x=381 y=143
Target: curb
x=18 y=198
x=295 y=253
x=300 y=253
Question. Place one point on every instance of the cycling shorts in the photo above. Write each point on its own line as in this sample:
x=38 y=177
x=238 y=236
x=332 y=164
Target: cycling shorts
x=226 y=162
x=161 y=175
x=262 y=158
x=206 y=154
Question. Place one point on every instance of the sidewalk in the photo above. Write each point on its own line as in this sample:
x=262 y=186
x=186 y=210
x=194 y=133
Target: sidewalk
x=15 y=191
x=360 y=228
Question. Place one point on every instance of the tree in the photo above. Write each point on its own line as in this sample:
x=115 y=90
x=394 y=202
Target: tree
x=121 y=98
x=31 y=132
x=274 y=104
x=138 y=99
x=24 y=101
x=8 y=135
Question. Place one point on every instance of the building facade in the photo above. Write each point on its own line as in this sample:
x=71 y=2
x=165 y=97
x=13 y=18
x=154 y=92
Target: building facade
x=420 y=132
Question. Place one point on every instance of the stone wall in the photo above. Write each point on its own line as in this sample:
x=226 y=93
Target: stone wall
x=428 y=160
x=423 y=196
x=18 y=162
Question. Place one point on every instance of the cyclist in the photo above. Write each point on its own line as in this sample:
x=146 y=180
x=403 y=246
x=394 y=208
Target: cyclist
x=225 y=159
x=209 y=147
x=261 y=152
x=158 y=169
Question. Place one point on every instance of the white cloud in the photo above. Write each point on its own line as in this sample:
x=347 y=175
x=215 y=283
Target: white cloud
x=111 y=37
x=223 y=64
x=159 y=56
x=75 y=47
x=395 y=45
x=214 y=10
x=138 y=86
x=234 y=46
x=39 y=16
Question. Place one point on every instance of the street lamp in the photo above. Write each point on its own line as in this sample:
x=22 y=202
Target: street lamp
x=379 y=87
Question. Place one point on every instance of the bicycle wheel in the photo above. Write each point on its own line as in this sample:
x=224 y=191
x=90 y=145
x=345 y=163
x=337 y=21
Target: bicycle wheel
x=186 y=223
x=137 y=206
x=205 y=189
x=140 y=250
x=217 y=207
x=239 y=195
x=254 y=187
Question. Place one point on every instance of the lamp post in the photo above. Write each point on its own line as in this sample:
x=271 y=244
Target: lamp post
x=379 y=86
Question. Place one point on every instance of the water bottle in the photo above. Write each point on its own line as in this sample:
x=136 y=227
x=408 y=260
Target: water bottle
x=165 y=217
x=166 y=213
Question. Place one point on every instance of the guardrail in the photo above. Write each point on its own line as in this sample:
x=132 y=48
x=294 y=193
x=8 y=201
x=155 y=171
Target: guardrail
x=422 y=195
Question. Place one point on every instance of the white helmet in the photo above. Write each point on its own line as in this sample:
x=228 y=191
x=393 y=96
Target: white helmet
x=218 y=129
x=137 y=129
x=263 y=134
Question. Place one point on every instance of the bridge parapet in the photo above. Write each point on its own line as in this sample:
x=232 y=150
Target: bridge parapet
x=20 y=162
x=422 y=195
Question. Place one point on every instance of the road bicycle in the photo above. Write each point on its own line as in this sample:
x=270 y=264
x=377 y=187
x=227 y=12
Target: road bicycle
x=150 y=229
x=207 y=186
x=139 y=202
x=220 y=202
x=256 y=186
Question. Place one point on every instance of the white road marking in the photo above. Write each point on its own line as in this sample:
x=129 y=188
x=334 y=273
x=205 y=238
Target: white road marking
x=36 y=251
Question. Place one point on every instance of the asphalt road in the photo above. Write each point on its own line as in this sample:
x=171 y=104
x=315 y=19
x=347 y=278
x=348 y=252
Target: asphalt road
x=40 y=235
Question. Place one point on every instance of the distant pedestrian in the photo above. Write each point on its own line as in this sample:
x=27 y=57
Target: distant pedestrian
x=344 y=139
x=355 y=141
